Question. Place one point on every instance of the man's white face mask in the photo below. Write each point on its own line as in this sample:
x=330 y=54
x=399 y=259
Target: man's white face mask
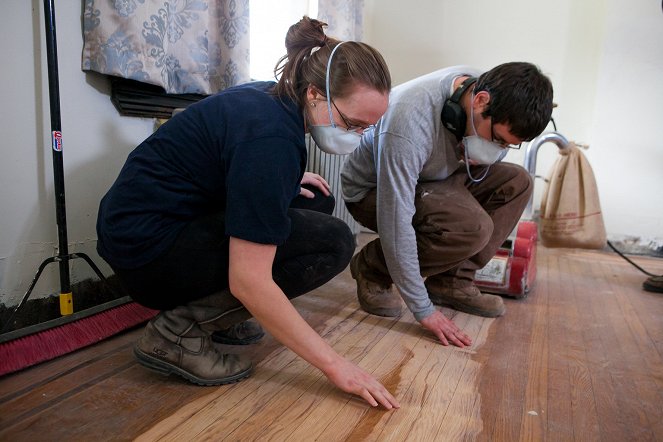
x=329 y=137
x=480 y=151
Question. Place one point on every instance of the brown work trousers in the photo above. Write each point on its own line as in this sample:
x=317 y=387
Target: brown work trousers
x=459 y=224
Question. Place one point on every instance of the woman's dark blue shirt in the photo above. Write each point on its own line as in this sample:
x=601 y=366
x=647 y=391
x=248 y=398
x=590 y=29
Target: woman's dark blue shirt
x=240 y=151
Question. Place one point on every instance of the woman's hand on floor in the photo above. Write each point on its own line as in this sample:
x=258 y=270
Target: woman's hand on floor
x=251 y=282
x=352 y=379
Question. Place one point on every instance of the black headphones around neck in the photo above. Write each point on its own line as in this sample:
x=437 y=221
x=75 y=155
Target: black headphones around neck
x=453 y=115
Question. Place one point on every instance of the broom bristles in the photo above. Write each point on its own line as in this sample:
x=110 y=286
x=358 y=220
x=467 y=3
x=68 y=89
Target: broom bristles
x=48 y=344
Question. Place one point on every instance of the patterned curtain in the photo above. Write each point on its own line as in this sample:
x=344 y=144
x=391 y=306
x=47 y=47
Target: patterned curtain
x=344 y=17
x=183 y=46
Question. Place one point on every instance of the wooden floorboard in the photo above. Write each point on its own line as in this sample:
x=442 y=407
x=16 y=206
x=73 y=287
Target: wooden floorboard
x=579 y=359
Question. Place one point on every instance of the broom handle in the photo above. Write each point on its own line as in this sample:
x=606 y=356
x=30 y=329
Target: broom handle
x=56 y=144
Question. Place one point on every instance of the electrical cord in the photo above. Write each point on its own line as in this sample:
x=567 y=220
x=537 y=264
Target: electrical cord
x=652 y=284
x=627 y=259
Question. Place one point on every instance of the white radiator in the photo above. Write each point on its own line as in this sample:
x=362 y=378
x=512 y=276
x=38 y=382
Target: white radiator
x=329 y=167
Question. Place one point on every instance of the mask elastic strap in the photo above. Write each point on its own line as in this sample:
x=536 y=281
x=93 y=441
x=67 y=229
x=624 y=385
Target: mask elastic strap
x=467 y=166
x=467 y=151
x=331 y=116
x=474 y=129
x=469 y=174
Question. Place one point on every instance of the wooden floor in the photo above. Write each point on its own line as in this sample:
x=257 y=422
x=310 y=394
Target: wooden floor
x=580 y=359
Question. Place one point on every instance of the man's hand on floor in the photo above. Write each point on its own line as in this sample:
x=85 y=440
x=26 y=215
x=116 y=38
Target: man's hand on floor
x=446 y=330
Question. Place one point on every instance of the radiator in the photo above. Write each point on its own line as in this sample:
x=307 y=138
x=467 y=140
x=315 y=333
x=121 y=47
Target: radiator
x=329 y=167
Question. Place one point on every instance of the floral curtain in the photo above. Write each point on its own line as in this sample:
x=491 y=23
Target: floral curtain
x=184 y=46
x=344 y=17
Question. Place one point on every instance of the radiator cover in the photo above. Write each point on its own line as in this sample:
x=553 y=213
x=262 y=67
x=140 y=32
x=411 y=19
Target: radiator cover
x=329 y=167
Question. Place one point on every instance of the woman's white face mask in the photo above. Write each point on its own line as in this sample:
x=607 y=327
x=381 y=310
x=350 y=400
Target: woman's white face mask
x=480 y=151
x=335 y=140
x=331 y=138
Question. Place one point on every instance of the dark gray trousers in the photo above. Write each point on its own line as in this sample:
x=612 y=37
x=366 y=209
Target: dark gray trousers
x=319 y=247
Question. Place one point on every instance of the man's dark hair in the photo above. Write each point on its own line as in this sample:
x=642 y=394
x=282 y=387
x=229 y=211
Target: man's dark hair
x=520 y=96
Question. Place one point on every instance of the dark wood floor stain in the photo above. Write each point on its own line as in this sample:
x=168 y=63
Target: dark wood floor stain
x=373 y=416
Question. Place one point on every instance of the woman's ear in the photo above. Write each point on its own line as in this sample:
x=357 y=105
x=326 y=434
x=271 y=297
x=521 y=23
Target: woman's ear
x=314 y=94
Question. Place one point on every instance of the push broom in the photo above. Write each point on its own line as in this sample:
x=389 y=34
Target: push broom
x=73 y=330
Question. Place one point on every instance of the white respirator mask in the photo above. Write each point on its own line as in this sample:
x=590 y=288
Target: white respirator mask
x=481 y=151
x=331 y=138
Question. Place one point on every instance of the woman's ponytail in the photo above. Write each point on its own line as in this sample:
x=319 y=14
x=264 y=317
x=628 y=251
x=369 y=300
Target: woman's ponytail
x=305 y=64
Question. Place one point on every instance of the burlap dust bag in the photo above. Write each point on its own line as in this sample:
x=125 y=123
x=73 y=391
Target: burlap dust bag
x=570 y=208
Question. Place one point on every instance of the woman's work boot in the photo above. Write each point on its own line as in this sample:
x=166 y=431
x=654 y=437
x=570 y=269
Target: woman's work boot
x=173 y=342
x=375 y=298
x=244 y=333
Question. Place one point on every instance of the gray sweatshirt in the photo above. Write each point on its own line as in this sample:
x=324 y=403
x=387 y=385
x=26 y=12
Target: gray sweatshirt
x=408 y=145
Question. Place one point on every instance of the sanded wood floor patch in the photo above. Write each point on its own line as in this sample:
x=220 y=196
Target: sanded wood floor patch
x=287 y=399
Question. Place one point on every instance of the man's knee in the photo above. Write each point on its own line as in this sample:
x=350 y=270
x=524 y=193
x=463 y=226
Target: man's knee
x=365 y=211
x=464 y=234
x=516 y=178
x=480 y=229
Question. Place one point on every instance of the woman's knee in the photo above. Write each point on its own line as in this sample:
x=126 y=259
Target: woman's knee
x=315 y=233
x=319 y=248
x=346 y=243
x=319 y=203
x=339 y=241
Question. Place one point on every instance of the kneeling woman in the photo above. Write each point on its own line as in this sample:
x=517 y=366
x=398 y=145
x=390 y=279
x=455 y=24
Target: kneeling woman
x=213 y=220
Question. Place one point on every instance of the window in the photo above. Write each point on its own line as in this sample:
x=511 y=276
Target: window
x=270 y=21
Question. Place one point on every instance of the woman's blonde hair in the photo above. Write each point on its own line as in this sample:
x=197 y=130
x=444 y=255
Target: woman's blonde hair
x=305 y=64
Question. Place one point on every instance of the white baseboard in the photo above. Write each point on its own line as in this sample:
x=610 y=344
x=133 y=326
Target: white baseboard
x=637 y=245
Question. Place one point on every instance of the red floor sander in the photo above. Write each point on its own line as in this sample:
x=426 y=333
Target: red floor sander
x=512 y=271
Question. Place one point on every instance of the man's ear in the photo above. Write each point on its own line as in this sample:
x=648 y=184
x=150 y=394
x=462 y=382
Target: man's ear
x=481 y=101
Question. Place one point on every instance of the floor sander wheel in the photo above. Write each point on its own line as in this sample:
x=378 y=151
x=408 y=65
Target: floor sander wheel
x=512 y=271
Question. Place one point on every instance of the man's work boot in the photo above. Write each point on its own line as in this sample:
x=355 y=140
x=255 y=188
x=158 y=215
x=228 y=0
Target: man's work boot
x=375 y=298
x=175 y=343
x=466 y=297
x=244 y=333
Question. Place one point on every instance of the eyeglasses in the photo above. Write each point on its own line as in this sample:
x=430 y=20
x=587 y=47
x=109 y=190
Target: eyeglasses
x=501 y=142
x=349 y=126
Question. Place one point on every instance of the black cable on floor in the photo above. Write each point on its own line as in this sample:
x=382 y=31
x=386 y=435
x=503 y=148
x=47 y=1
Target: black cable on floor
x=627 y=259
x=652 y=284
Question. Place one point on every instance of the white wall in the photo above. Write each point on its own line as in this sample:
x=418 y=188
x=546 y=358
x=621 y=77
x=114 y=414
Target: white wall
x=605 y=59
x=96 y=143
x=627 y=122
